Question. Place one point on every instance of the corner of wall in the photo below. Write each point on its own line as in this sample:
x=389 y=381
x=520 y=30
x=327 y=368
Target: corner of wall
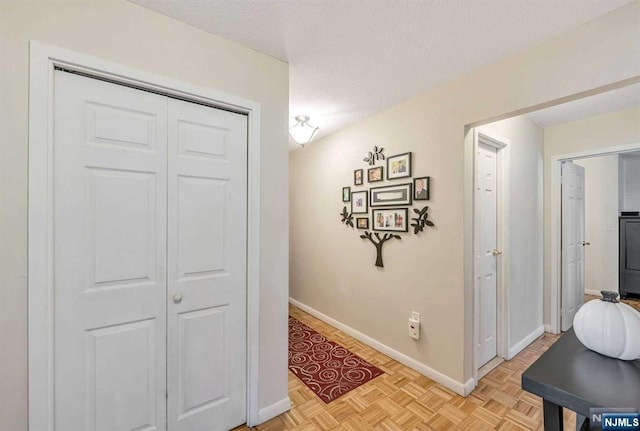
x=273 y=410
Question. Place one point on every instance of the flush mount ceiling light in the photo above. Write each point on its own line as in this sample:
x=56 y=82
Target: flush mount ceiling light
x=302 y=132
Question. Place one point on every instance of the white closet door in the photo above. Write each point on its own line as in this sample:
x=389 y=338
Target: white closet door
x=109 y=197
x=207 y=196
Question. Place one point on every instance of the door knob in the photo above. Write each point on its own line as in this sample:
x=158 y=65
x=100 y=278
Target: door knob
x=177 y=298
x=496 y=252
x=585 y=243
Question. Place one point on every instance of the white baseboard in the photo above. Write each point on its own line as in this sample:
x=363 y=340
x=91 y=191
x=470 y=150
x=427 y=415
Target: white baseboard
x=275 y=409
x=593 y=292
x=518 y=347
x=463 y=389
x=469 y=386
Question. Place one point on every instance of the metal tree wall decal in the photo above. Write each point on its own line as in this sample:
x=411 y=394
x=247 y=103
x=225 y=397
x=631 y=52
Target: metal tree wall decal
x=374 y=155
x=347 y=217
x=386 y=237
x=421 y=221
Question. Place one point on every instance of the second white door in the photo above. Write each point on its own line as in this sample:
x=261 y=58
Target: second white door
x=572 y=242
x=486 y=252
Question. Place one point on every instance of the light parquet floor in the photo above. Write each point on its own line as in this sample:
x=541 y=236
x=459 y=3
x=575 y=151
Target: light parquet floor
x=404 y=400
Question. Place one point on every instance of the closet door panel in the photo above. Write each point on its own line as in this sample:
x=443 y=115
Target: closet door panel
x=207 y=196
x=110 y=209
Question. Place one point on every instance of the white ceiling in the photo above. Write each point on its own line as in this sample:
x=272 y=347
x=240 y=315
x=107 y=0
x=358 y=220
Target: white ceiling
x=352 y=58
x=611 y=101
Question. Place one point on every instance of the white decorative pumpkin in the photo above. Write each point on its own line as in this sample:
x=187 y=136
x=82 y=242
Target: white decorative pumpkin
x=609 y=327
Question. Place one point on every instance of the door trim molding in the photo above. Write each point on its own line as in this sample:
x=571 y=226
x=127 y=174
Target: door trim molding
x=555 y=288
x=502 y=146
x=43 y=59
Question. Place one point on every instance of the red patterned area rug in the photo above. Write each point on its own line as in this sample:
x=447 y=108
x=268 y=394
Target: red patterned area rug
x=327 y=368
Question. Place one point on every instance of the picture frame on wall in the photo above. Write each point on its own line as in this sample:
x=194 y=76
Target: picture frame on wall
x=362 y=222
x=390 y=220
x=358 y=177
x=395 y=195
x=359 y=202
x=346 y=194
x=399 y=166
x=375 y=174
x=422 y=188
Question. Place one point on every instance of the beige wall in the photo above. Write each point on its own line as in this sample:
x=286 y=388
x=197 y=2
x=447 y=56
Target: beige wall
x=609 y=130
x=122 y=32
x=331 y=268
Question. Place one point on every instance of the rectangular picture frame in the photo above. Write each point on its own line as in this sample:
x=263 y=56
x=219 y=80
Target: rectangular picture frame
x=390 y=196
x=346 y=194
x=399 y=166
x=375 y=174
x=390 y=220
x=362 y=222
x=422 y=188
x=358 y=177
x=359 y=202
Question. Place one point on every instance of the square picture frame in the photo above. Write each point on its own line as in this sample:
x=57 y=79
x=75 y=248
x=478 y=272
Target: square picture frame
x=421 y=188
x=399 y=166
x=360 y=202
x=346 y=194
x=390 y=220
x=390 y=196
x=362 y=222
x=358 y=177
x=375 y=174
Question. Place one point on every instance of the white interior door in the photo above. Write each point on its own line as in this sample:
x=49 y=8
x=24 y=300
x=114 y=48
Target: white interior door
x=109 y=197
x=207 y=268
x=486 y=252
x=150 y=201
x=573 y=242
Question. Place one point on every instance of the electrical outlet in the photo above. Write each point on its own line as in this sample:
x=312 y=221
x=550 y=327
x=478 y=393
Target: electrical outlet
x=415 y=315
x=414 y=329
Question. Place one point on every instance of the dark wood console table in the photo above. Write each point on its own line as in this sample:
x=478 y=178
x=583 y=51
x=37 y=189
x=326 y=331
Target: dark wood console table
x=570 y=375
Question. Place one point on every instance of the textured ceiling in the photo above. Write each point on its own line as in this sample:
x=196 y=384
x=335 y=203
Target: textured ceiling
x=352 y=58
x=603 y=103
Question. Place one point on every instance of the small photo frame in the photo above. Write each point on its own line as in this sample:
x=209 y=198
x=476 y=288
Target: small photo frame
x=375 y=174
x=346 y=194
x=390 y=220
x=421 y=188
x=388 y=196
x=362 y=222
x=357 y=177
x=399 y=166
x=359 y=202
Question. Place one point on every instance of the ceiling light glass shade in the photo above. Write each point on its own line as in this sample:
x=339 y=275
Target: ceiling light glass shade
x=302 y=132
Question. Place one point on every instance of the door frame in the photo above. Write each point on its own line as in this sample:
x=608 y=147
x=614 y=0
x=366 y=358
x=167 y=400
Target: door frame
x=555 y=288
x=503 y=149
x=43 y=60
